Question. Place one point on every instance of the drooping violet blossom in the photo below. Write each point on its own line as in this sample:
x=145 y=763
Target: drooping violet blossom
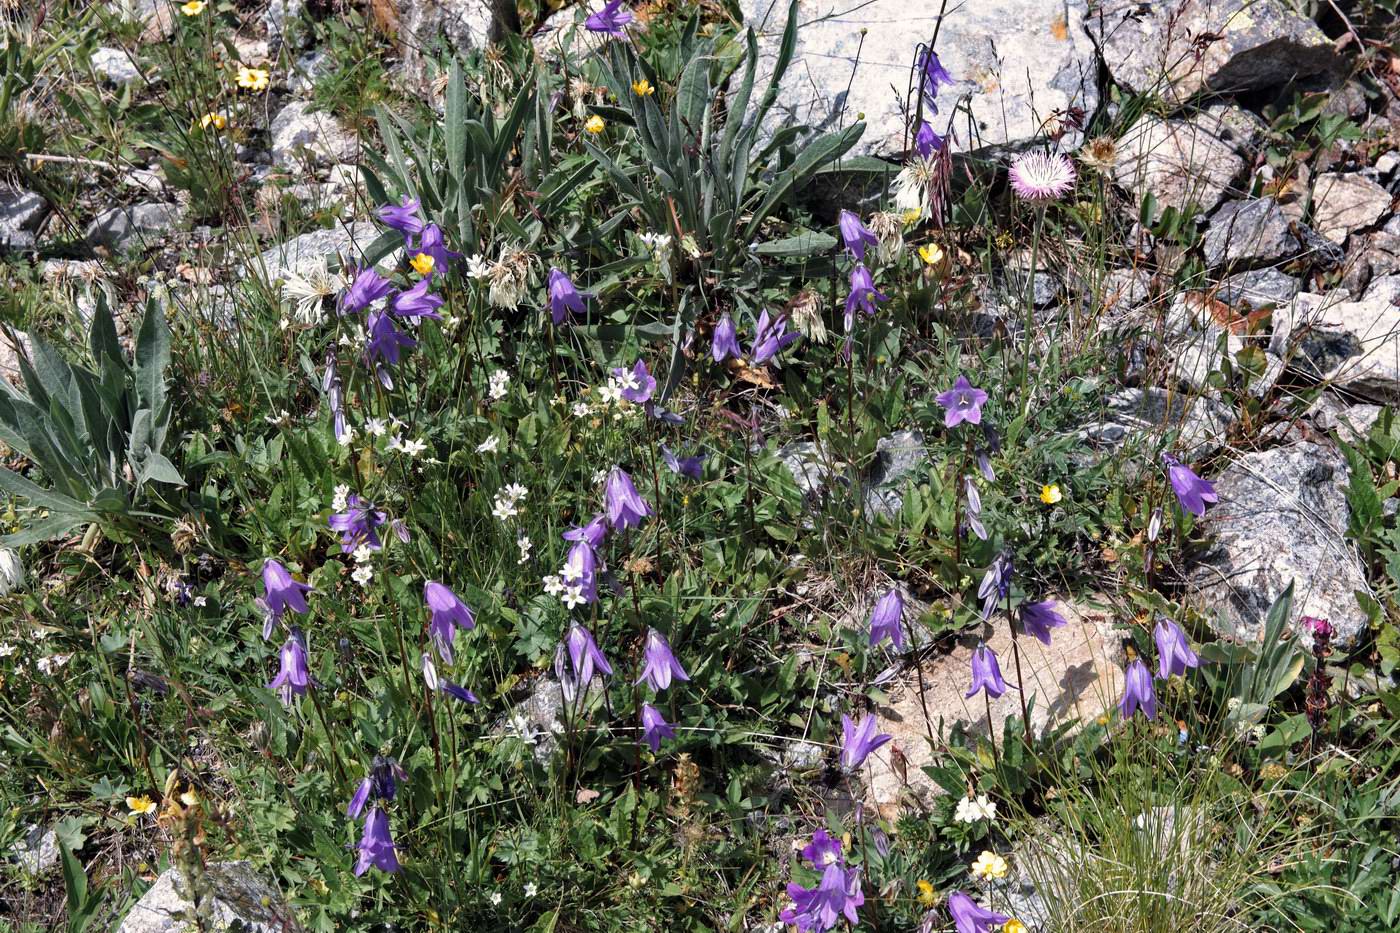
x=581 y=570
x=962 y=402
x=593 y=532
x=383 y=344
x=1191 y=491
x=1037 y=619
x=969 y=918
x=1174 y=654
x=334 y=391
x=382 y=783
x=449 y=613
x=360 y=798
x=564 y=298
x=625 y=508
x=564 y=673
x=692 y=467
x=926 y=141
x=403 y=217
x=823 y=850
x=584 y=655
x=1138 y=692
x=430 y=674
x=609 y=20
x=638 y=384
x=367 y=288
x=725 y=342
x=418 y=302
x=655 y=727
x=1041 y=176
x=855 y=235
x=376 y=848
x=770 y=338
x=281 y=592
x=986 y=673
x=357 y=524
x=886 y=619
x=293 y=676
x=820 y=908
x=932 y=75
x=974 y=508
x=435 y=245
x=863 y=295
x=858 y=741
x=661 y=664
x=457 y=692
x=996 y=582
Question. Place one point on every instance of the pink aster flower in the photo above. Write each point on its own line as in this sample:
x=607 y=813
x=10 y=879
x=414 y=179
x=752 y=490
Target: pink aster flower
x=1041 y=176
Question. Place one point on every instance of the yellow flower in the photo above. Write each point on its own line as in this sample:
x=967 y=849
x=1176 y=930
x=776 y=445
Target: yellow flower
x=1013 y=926
x=594 y=124
x=926 y=895
x=254 y=79
x=1050 y=494
x=989 y=865
x=140 y=806
x=642 y=88
x=217 y=120
x=911 y=216
x=422 y=263
x=193 y=8
x=933 y=256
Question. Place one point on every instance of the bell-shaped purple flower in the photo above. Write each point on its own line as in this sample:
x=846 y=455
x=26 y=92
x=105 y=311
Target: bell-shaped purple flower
x=1037 y=619
x=725 y=342
x=367 y=288
x=384 y=343
x=625 y=508
x=581 y=570
x=886 y=619
x=435 y=245
x=457 y=692
x=986 y=673
x=655 y=727
x=449 y=613
x=357 y=524
x=926 y=141
x=1191 y=491
x=823 y=850
x=360 y=798
x=818 y=909
x=593 y=533
x=294 y=676
x=996 y=582
x=564 y=298
x=1174 y=654
x=692 y=467
x=969 y=918
x=932 y=75
x=770 y=338
x=376 y=846
x=382 y=783
x=403 y=217
x=854 y=234
x=1138 y=692
x=584 y=655
x=858 y=741
x=418 y=302
x=638 y=385
x=335 y=399
x=863 y=295
x=962 y=403
x=609 y=20
x=974 y=508
x=661 y=664
x=281 y=592
x=564 y=672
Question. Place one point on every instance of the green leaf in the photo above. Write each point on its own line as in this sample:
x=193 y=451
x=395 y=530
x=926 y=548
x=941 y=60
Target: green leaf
x=152 y=357
x=455 y=124
x=814 y=155
x=55 y=526
x=801 y=245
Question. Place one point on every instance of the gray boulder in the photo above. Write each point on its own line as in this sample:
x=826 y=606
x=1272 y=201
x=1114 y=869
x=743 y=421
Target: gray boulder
x=115 y=66
x=899 y=459
x=1282 y=517
x=1179 y=162
x=37 y=853
x=313 y=250
x=458 y=25
x=124 y=229
x=1199 y=424
x=1249 y=232
x=301 y=136
x=226 y=897
x=1014 y=61
x=1161 y=46
x=1352 y=345
x=20 y=215
x=1256 y=288
x=1342 y=204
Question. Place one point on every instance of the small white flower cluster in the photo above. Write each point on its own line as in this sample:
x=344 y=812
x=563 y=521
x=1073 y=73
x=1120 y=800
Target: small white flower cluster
x=338 y=501
x=523 y=542
x=500 y=381
x=609 y=396
x=409 y=448
x=363 y=572
x=508 y=501
x=970 y=810
x=571 y=595
x=490 y=445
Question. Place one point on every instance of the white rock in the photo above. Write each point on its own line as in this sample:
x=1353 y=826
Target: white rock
x=1344 y=203
x=1353 y=345
x=231 y=897
x=1179 y=162
x=115 y=66
x=301 y=135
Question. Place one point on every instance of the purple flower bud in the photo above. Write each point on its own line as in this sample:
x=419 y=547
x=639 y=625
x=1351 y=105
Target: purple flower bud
x=357 y=524
x=403 y=217
x=962 y=403
x=855 y=235
x=886 y=617
x=449 y=613
x=400 y=529
x=1191 y=491
x=357 y=802
x=770 y=338
x=581 y=570
x=609 y=20
x=1154 y=525
x=417 y=302
x=986 y=673
x=376 y=846
x=661 y=665
x=293 y=677
x=996 y=582
x=384 y=343
x=643 y=383
x=584 y=655
x=969 y=918
x=932 y=75
x=564 y=298
x=725 y=342
x=281 y=591
x=367 y=288
x=655 y=727
x=857 y=742
x=460 y=693
x=863 y=295
x=692 y=467
x=430 y=674
x=625 y=508
x=1038 y=619
x=335 y=400
x=1138 y=692
x=974 y=508
x=1174 y=654
x=984 y=465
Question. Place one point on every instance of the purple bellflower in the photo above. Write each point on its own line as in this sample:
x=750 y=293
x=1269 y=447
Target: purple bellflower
x=1174 y=654
x=593 y=533
x=609 y=20
x=770 y=338
x=357 y=524
x=581 y=569
x=383 y=344
x=1038 y=619
x=858 y=741
x=725 y=342
x=854 y=234
x=1191 y=491
x=655 y=727
x=564 y=298
x=986 y=673
x=584 y=655
x=435 y=245
x=293 y=677
x=661 y=664
x=969 y=918
x=926 y=141
x=624 y=506
x=367 y=288
x=376 y=846
x=281 y=591
x=962 y=403
x=974 y=508
x=449 y=613
x=863 y=295
x=334 y=391
x=886 y=617
x=996 y=582
x=823 y=850
x=932 y=75
x=403 y=217
x=1138 y=692
x=692 y=467
x=456 y=691
x=820 y=908
x=639 y=385
x=382 y=783
x=418 y=302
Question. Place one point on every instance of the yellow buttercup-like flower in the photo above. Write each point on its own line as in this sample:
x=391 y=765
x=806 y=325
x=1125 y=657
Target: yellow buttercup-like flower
x=594 y=124
x=932 y=254
x=1013 y=926
x=253 y=79
x=642 y=88
x=422 y=263
x=926 y=895
x=989 y=865
x=217 y=120
x=1050 y=494
x=193 y=8
x=140 y=806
